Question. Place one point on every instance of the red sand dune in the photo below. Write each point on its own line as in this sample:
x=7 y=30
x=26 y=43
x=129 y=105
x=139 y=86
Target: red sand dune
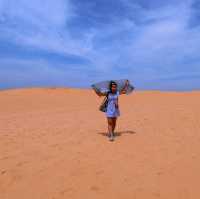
x=53 y=145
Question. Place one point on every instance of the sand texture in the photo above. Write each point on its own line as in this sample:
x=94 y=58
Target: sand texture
x=53 y=145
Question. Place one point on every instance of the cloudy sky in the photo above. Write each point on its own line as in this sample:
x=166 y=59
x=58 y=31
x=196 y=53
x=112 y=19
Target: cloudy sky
x=155 y=44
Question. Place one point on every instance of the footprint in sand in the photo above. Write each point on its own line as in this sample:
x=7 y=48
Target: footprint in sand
x=99 y=172
x=3 y=172
x=94 y=188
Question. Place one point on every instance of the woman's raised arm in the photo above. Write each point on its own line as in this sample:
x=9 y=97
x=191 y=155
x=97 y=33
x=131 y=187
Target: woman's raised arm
x=99 y=93
x=123 y=91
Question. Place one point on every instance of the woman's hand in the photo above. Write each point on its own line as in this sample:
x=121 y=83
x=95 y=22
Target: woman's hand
x=127 y=82
x=123 y=91
x=98 y=92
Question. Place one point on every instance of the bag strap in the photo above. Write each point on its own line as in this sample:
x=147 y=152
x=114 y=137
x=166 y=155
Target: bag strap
x=107 y=94
x=106 y=97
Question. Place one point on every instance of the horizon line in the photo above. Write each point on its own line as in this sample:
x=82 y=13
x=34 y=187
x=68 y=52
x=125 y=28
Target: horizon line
x=86 y=88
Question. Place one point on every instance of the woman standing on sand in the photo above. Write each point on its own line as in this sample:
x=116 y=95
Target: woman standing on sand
x=112 y=111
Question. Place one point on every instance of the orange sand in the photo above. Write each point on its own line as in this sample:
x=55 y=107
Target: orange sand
x=53 y=145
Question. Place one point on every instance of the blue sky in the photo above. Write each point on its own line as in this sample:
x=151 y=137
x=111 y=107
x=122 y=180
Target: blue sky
x=155 y=44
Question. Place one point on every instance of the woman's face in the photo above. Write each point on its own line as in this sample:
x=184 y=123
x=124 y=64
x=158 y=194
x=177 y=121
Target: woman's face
x=113 y=88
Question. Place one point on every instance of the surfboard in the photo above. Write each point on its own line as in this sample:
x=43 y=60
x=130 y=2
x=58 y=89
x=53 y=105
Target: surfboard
x=103 y=86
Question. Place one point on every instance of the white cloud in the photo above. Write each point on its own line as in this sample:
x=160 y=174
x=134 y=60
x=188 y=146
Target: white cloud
x=158 y=48
x=39 y=24
x=41 y=14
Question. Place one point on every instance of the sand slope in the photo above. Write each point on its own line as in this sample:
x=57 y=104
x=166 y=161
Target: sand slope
x=53 y=145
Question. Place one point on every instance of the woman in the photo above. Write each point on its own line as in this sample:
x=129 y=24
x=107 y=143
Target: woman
x=113 y=107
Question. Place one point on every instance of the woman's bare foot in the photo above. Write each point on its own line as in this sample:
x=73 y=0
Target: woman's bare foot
x=111 y=137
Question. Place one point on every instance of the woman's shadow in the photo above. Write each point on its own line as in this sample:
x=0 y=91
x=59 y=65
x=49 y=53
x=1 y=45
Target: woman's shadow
x=118 y=133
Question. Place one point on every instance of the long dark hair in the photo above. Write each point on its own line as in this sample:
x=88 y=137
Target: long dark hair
x=110 y=85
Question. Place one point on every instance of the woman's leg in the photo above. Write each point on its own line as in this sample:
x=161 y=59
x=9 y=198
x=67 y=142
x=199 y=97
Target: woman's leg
x=110 y=128
x=114 y=124
x=110 y=125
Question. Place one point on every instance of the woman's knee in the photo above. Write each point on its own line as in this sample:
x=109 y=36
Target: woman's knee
x=110 y=121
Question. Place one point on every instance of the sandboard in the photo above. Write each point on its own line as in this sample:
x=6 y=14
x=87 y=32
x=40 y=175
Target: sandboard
x=103 y=86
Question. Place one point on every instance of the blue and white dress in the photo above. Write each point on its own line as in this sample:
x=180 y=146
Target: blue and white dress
x=112 y=110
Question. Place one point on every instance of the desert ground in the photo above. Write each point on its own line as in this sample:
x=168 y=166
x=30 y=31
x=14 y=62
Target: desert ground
x=53 y=145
